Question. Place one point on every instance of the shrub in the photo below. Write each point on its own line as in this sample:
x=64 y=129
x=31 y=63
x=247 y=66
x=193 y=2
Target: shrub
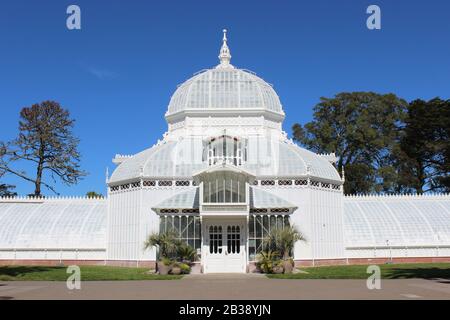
x=266 y=261
x=166 y=261
x=170 y=247
x=278 y=266
x=186 y=253
x=282 y=241
x=185 y=268
x=166 y=243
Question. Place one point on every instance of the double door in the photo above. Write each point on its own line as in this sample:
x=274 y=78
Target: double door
x=224 y=247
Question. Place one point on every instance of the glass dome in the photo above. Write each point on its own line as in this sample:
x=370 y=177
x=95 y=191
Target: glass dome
x=227 y=89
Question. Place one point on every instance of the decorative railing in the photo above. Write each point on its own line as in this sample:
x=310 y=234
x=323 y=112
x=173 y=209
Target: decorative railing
x=425 y=196
x=233 y=160
x=47 y=198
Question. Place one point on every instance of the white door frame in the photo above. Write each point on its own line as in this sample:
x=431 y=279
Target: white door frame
x=223 y=261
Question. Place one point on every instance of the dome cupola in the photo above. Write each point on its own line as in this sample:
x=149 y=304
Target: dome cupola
x=225 y=90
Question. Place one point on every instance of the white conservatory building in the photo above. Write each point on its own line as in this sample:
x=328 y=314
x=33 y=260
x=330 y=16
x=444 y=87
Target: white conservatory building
x=223 y=175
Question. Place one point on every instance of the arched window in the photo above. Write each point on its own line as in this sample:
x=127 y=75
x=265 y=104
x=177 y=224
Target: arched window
x=230 y=150
x=233 y=239
x=215 y=239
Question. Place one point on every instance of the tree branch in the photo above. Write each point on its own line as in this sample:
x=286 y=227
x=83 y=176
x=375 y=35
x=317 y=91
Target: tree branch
x=23 y=176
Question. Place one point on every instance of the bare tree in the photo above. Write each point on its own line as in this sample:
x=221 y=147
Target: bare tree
x=5 y=189
x=45 y=139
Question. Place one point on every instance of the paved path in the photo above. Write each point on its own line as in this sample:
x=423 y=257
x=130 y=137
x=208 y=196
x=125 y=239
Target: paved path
x=217 y=287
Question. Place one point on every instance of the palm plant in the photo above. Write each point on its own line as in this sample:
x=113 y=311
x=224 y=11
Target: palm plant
x=167 y=244
x=170 y=249
x=266 y=260
x=186 y=253
x=282 y=240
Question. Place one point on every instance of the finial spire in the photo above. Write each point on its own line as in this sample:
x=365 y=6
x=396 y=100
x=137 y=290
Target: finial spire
x=225 y=55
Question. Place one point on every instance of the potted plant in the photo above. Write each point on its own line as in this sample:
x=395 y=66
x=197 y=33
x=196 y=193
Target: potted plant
x=167 y=245
x=266 y=261
x=186 y=253
x=185 y=268
x=278 y=267
x=283 y=240
x=164 y=266
x=176 y=269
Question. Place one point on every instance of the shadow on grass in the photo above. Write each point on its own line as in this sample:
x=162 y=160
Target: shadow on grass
x=19 y=271
x=420 y=273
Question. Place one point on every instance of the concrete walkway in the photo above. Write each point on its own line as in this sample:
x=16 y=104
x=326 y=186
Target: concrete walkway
x=234 y=287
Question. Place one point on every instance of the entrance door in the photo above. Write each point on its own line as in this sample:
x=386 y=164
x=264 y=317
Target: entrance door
x=225 y=248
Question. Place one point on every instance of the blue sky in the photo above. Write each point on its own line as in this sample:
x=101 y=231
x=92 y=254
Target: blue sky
x=117 y=73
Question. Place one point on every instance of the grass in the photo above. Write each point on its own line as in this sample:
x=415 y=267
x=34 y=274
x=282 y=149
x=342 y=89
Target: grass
x=99 y=273
x=88 y=273
x=388 y=271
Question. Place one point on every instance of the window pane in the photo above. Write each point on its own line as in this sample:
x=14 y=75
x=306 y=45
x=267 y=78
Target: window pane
x=241 y=191
x=169 y=224
x=213 y=191
x=190 y=227
x=206 y=192
x=251 y=251
x=219 y=242
x=197 y=244
x=176 y=225
x=280 y=222
x=258 y=226
x=266 y=226
x=227 y=190
x=184 y=233
x=198 y=230
x=162 y=224
x=286 y=221
x=258 y=245
x=273 y=222
x=251 y=227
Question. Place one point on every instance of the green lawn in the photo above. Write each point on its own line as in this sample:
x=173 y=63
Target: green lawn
x=88 y=273
x=388 y=271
